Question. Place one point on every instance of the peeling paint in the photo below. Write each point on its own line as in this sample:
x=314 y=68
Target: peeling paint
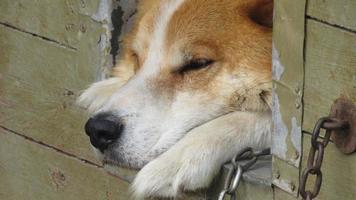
x=122 y=18
x=103 y=16
x=103 y=47
x=296 y=138
x=280 y=130
x=103 y=13
x=129 y=9
x=58 y=179
x=277 y=67
x=285 y=185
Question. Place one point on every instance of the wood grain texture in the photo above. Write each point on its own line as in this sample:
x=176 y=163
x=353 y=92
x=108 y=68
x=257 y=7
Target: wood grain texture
x=339 y=172
x=338 y=12
x=61 y=21
x=38 y=87
x=286 y=177
x=288 y=72
x=282 y=195
x=32 y=171
x=330 y=70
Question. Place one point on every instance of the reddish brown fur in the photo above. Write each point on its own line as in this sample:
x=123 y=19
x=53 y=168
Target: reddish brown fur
x=235 y=34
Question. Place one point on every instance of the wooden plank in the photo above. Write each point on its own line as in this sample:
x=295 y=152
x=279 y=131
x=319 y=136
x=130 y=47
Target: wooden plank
x=282 y=195
x=329 y=70
x=287 y=78
x=288 y=75
x=31 y=171
x=287 y=129
x=339 y=172
x=62 y=21
x=38 y=87
x=285 y=176
x=338 y=12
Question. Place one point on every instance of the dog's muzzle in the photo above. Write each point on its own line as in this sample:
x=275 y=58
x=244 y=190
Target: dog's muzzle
x=103 y=129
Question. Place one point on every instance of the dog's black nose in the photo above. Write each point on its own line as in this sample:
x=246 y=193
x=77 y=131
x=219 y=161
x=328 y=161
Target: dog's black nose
x=103 y=130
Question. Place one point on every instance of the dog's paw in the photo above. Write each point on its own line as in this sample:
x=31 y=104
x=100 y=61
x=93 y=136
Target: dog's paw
x=155 y=179
x=171 y=174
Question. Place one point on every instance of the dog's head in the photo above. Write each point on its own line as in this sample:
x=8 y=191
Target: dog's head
x=185 y=63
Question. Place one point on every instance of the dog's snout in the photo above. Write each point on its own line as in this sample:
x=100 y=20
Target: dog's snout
x=103 y=130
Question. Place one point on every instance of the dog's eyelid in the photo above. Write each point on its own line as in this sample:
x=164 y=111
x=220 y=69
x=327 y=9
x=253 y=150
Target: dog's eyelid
x=195 y=64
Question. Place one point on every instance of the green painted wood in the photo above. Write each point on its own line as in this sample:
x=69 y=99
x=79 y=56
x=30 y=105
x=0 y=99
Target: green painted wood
x=330 y=70
x=63 y=21
x=339 y=172
x=338 y=12
x=285 y=176
x=288 y=75
x=32 y=171
x=330 y=60
x=282 y=195
x=38 y=87
x=44 y=109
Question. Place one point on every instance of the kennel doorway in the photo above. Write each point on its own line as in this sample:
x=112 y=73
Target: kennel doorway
x=51 y=49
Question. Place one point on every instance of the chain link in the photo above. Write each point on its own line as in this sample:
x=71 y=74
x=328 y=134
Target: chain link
x=316 y=155
x=234 y=174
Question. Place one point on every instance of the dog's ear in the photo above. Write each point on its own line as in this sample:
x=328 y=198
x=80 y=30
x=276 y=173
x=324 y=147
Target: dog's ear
x=262 y=13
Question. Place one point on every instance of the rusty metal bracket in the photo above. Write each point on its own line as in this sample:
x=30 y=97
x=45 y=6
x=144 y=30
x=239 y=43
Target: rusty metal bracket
x=341 y=127
x=345 y=139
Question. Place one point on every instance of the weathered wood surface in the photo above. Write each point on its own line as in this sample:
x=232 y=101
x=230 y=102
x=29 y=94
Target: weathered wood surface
x=339 y=12
x=62 y=21
x=339 y=173
x=38 y=87
x=288 y=37
x=286 y=177
x=330 y=70
x=32 y=171
x=282 y=195
x=50 y=51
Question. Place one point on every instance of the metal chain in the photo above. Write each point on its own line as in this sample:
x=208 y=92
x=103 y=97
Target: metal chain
x=235 y=172
x=316 y=155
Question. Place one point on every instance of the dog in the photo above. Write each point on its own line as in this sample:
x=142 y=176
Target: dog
x=192 y=87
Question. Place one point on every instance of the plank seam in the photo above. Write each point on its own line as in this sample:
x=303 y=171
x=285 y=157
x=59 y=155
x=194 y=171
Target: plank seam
x=64 y=153
x=38 y=36
x=52 y=147
x=330 y=24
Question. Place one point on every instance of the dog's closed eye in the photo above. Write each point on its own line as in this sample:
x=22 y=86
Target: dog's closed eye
x=195 y=64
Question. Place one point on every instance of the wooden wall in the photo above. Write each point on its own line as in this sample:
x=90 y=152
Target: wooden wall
x=314 y=78
x=50 y=50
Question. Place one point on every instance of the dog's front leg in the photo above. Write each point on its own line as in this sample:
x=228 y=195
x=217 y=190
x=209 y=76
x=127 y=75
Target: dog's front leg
x=196 y=159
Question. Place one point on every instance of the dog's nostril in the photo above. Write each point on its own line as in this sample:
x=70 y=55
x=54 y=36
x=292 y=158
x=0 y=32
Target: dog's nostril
x=103 y=130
